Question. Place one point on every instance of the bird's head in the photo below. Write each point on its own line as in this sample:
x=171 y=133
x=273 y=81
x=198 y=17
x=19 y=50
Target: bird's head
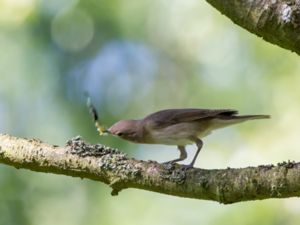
x=126 y=129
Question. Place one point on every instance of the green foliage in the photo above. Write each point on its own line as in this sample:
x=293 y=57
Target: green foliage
x=135 y=57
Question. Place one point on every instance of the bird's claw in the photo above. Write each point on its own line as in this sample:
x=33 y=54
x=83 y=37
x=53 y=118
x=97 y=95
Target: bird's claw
x=170 y=165
x=189 y=166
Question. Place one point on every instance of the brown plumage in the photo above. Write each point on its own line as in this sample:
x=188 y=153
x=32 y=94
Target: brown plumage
x=176 y=127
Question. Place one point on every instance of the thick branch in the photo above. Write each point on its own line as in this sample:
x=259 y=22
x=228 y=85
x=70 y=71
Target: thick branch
x=277 y=21
x=112 y=167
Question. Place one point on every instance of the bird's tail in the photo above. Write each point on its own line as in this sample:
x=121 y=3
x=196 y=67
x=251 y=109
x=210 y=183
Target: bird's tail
x=250 y=117
x=224 y=121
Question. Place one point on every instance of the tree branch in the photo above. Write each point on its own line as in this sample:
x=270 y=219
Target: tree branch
x=276 y=21
x=100 y=163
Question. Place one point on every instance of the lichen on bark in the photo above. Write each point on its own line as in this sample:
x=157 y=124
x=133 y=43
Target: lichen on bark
x=276 y=21
x=112 y=167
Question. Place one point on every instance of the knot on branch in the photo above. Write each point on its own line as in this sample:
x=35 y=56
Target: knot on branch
x=116 y=185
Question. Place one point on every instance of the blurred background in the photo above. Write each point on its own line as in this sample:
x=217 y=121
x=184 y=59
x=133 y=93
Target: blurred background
x=136 y=57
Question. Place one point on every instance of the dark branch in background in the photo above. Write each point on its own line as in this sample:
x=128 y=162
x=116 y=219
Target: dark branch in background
x=110 y=166
x=276 y=21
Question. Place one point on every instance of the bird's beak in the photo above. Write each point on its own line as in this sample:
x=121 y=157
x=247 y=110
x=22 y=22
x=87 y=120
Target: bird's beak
x=102 y=130
x=107 y=131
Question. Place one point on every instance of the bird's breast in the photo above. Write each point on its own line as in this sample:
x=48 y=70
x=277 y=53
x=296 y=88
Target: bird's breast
x=176 y=134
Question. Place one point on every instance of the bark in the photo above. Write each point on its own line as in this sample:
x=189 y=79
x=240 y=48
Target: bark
x=112 y=167
x=276 y=21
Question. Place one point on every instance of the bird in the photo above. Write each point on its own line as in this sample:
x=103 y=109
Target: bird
x=179 y=127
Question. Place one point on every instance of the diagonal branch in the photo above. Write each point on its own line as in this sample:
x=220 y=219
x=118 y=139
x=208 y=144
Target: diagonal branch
x=100 y=163
x=276 y=21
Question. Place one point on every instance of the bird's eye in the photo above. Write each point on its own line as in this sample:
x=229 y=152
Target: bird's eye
x=120 y=134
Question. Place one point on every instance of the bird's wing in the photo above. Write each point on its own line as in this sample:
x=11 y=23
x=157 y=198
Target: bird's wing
x=172 y=116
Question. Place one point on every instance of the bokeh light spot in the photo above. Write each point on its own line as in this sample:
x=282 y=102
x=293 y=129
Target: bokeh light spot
x=72 y=30
x=14 y=12
x=51 y=8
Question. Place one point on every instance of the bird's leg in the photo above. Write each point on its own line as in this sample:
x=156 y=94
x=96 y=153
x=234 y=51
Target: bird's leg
x=199 y=144
x=183 y=155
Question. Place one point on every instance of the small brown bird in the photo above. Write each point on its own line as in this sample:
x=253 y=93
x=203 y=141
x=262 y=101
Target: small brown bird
x=179 y=127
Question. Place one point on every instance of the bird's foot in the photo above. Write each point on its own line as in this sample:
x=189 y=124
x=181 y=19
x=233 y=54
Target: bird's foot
x=187 y=167
x=172 y=163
